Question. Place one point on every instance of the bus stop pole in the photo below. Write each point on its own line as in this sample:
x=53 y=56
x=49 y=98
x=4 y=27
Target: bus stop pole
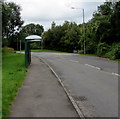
x=26 y=54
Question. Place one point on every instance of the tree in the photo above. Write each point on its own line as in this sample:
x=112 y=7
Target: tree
x=63 y=38
x=106 y=8
x=32 y=29
x=11 y=19
x=102 y=33
x=115 y=22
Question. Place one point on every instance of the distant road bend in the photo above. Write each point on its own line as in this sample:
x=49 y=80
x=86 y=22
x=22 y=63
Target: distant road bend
x=92 y=81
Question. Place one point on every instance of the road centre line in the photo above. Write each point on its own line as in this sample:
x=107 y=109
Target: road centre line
x=74 y=61
x=115 y=74
x=101 y=69
x=93 y=66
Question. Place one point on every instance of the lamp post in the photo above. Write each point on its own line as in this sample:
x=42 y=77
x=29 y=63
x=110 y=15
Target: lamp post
x=83 y=25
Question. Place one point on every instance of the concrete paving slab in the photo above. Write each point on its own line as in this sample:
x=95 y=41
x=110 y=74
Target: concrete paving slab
x=41 y=95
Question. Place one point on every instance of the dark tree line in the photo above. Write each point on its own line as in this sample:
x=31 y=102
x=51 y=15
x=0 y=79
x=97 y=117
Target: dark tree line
x=30 y=29
x=12 y=26
x=63 y=38
x=102 y=33
x=11 y=21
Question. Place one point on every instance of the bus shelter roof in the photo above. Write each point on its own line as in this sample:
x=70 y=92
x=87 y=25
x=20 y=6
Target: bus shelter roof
x=33 y=37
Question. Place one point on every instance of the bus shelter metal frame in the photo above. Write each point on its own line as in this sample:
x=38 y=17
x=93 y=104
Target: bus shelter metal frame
x=28 y=40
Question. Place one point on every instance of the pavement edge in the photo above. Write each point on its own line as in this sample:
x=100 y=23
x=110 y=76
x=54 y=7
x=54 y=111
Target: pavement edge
x=81 y=115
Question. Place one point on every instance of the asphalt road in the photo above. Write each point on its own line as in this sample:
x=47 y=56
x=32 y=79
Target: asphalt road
x=92 y=81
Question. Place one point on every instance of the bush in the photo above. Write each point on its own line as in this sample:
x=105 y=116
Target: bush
x=80 y=51
x=7 y=50
x=102 y=49
x=5 y=42
x=114 y=52
x=35 y=45
x=91 y=48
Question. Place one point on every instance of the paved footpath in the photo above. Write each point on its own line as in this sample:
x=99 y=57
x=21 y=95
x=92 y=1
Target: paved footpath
x=41 y=95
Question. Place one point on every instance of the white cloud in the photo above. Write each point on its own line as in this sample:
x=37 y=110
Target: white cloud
x=46 y=11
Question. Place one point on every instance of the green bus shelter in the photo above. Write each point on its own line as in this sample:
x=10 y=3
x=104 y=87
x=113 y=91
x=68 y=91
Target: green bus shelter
x=28 y=40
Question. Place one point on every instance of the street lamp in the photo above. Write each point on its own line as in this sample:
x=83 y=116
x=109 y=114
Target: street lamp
x=83 y=25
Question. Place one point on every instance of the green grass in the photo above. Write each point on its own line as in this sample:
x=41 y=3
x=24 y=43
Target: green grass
x=13 y=71
x=0 y=91
x=118 y=60
x=53 y=51
x=47 y=51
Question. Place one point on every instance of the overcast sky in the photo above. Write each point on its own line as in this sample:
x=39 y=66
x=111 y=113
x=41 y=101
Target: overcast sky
x=44 y=12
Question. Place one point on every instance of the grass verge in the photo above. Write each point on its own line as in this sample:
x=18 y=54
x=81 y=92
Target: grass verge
x=13 y=71
x=53 y=51
x=118 y=60
x=47 y=51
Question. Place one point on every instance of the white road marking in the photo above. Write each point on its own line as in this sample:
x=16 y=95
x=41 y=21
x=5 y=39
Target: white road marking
x=100 y=69
x=115 y=74
x=74 y=61
x=93 y=66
